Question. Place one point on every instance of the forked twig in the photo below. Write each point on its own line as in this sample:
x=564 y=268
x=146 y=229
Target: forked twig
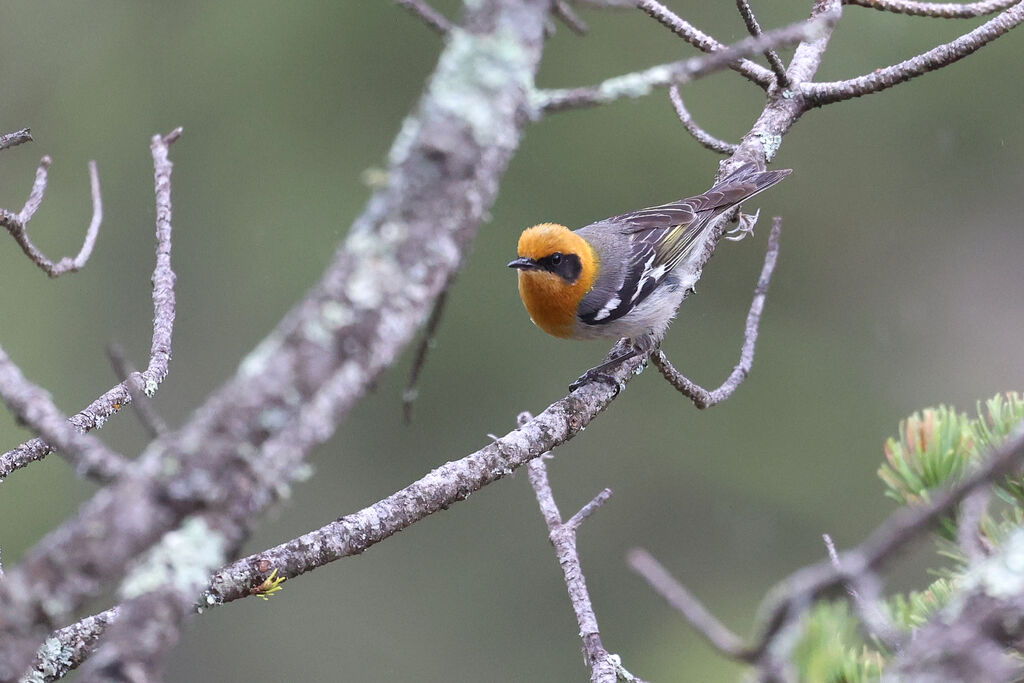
x=819 y=94
x=17 y=224
x=96 y=413
x=703 y=42
x=754 y=28
x=604 y=667
x=701 y=397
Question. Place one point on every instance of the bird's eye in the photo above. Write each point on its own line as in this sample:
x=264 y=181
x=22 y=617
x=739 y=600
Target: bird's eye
x=556 y=258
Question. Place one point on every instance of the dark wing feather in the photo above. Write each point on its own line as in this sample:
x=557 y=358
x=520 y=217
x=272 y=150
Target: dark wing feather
x=660 y=237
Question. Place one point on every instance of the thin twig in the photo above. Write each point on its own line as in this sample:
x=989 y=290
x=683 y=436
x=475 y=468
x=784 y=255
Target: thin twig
x=705 y=43
x=96 y=413
x=149 y=418
x=18 y=137
x=17 y=224
x=794 y=594
x=604 y=668
x=706 y=139
x=819 y=94
x=420 y=357
x=565 y=13
x=701 y=397
x=754 y=28
x=641 y=83
x=430 y=16
x=865 y=593
x=939 y=10
x=679 y=597
x=33 y=406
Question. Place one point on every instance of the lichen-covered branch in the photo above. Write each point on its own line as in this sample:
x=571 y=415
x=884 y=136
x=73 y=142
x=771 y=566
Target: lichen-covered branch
x=32 y=405
x=940 y=10
x=642 y=83
x=443 y=177
x=819 y=94
x=17 y=224
x=96 y=413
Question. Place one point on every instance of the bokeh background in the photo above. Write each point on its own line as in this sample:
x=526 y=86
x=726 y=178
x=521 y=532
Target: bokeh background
x=898 y=287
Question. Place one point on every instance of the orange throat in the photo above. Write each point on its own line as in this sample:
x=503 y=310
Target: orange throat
x=550 y=302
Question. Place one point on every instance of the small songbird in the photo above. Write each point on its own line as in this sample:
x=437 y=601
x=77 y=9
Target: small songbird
x=619 y=277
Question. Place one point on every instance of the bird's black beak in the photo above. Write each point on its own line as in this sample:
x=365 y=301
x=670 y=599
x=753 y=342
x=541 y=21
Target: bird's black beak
x=523 y=264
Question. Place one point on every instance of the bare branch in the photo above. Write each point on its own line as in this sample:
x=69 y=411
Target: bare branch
x=565 y=13
x=324 y=355
x=699 y=134
x=819 y=94
x=754 y=28
x=33 y=406
x=679 y=597
x=940 y=10
x=16 y=224
x=68 y=647
x=420 y=357
x=18 y=137
x=641 y=83
x=430 y=16
x=149 y=418
x=790 y=597
x=604 y=667
x=705 y=43
x=96 y=413
x=702 y=398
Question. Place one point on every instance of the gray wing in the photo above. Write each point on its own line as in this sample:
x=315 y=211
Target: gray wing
x=657 y=240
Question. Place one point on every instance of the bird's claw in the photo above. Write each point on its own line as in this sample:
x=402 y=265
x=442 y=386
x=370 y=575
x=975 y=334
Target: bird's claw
x=744 y=226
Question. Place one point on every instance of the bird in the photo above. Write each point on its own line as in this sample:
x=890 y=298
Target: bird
x=620 y=277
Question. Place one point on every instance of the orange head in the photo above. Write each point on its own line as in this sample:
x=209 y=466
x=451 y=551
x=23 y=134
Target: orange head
x=556 y=268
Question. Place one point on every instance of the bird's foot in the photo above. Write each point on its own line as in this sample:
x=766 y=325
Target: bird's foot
x=744 y=226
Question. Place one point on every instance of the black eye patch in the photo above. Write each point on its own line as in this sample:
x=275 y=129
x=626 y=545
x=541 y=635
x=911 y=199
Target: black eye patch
x=566 y=266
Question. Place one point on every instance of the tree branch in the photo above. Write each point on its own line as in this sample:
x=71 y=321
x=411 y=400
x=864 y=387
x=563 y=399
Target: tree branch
x=16 y=224
x=641 y=83
x=754 y=28
x=706 y=140
x=32 y=405
x=96 y=413
x=701 y=397
x=705 y=43
x=820 y=94
x=322 y=357
x=18 y=137
x=940 y=10
x=602 y=666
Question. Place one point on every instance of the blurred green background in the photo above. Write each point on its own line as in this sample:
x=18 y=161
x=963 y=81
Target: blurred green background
x=897 y=288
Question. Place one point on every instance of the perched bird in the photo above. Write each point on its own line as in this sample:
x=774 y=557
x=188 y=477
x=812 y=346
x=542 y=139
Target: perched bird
x=619 y=277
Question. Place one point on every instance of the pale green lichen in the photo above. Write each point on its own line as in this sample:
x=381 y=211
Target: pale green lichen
x=182 y=561
x=150 y=388
x=55 y=661
x=770 y=144
x=472 y=71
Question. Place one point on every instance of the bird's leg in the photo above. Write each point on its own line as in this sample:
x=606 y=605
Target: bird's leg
x=599 y=373
x=744 y=226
